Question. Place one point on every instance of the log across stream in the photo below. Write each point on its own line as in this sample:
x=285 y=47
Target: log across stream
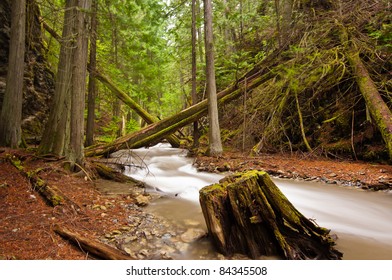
x=360 y=219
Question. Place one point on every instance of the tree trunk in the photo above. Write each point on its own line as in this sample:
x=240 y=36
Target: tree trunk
x=11 y=113
x=92 y=85
x=56 y=131
x=199 y=32
x=246 y=213
x=196 y=133
x=75 y=153
x=92 y=246
x=64 y=132
x=378 y=109
x=376 y=105
x=215 y=144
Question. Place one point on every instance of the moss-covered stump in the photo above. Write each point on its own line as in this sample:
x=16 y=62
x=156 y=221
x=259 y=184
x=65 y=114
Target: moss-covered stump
x=247 y=213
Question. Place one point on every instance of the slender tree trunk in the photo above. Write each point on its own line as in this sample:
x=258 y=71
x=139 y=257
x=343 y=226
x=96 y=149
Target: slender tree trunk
x=11 y=113
x=277 y=12
x=57 y=127
x=79 y=73
x=92 y=85
x=64 y=133
x=196 y=133
x=199 y=32
x=287 y=16
x=215 y=144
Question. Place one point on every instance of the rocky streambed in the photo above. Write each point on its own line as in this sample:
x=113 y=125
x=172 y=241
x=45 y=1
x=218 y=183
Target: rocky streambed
x=148 y=235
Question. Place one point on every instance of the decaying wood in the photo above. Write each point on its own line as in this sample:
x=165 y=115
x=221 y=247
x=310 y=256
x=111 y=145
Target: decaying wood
x=52 y=195
x=91 y=246
x=247 y=213
x=109 y=173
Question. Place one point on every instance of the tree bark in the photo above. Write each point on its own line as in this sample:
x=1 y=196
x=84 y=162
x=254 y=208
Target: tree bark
x=376 y=105
x=11 y=113
x=64 y=133
x=246 y=213
x=92 y=246
x=92 y=85
x=215 y=143
x=196 y=133
x=75 y=152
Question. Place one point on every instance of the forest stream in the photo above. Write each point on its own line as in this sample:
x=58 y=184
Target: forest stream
x=360 y=219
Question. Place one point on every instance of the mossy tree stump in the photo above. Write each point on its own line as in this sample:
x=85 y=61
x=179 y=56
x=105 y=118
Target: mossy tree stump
x=247 y=213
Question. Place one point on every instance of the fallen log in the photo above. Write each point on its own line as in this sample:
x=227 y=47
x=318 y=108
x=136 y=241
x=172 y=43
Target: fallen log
x=147 y=117
x=91 y=246
x=109 y=173
x=52 y=195
x=155 y=132
x=379 y=110
x=246 y=213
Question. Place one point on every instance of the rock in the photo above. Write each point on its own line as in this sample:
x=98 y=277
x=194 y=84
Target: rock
x=190 y=222
x=116 y=232
x=192 y=235
x=142 y=200
x=129 y=239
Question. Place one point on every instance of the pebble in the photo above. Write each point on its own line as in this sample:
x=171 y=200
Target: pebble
x=192 y=234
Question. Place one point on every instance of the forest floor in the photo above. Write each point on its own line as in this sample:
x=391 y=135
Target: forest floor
x=27 y=221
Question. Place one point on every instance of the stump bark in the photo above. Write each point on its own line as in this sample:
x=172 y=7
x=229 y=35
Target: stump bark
x=246 y=213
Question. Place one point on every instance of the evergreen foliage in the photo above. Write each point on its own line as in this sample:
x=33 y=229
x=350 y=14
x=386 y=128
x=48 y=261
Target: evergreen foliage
x=310 y=101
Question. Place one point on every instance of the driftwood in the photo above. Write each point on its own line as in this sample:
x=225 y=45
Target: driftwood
x=247 y=213
x=91 y=246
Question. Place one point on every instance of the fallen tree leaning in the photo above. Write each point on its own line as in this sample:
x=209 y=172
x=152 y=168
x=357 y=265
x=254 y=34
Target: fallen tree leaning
x=157 y=131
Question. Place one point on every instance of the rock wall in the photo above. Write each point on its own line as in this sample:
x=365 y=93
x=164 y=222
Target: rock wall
x=38 y=78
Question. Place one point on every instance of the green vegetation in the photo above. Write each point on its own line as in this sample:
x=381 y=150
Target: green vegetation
x=308 y=97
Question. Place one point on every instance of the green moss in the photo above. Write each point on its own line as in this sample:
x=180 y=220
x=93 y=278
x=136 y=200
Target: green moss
x=56 y=200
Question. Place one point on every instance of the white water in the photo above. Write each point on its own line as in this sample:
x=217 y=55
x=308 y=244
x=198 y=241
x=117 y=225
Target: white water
x=361 y=219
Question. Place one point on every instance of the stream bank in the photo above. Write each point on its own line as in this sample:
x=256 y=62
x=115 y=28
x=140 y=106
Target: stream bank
x=26 y=218
x=350 y=211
